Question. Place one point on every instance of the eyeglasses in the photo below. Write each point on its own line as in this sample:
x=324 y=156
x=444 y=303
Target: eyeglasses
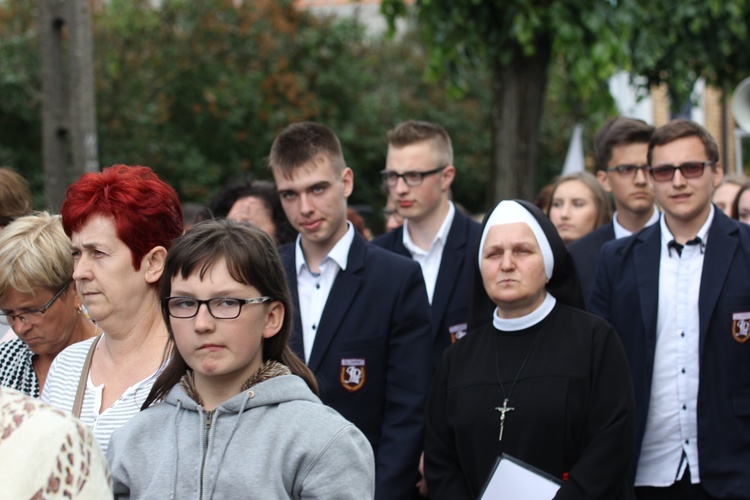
x=689 y=170
x=32 y=315
x=412 y=179
x=628 y=171
x=219 y=307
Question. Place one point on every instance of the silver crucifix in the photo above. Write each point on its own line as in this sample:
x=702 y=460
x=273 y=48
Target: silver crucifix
x=503 y=410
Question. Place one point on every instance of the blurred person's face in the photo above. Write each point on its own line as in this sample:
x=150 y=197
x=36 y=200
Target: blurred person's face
x=630 y=187
x=107 y=283
x=418 y=203
x=573 y=210
x=743 y=207
x=724 y=197
x=48 y=333
x=392 y=218
x=255 y=211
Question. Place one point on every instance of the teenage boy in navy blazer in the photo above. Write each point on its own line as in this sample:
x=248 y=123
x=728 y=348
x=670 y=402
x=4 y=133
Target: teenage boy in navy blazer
x=678 y=294
x=362 y=318
x=621 y=148
x=418 y=173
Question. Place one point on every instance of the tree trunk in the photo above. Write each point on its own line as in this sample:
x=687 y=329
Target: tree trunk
x=518 y=92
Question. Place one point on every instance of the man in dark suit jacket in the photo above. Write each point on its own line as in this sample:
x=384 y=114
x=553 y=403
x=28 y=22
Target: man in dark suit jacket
x=621 y=148
x=679 y=296
x=362 y=318
x=418 y=174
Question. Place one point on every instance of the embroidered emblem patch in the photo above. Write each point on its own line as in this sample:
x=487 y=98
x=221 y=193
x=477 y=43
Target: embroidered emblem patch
x=353 y=373
x=741 y=326
x=457 y=332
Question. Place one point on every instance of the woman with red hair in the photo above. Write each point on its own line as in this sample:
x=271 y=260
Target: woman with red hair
x=121 y=223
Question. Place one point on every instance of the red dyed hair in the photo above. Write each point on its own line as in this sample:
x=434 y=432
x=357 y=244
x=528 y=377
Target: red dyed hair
x=145 y=210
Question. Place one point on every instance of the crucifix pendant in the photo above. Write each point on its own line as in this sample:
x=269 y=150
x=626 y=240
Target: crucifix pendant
x=503 y=410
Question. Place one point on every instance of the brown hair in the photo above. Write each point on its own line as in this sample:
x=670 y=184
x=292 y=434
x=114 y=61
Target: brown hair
x=619 y=132
x=679 y=129
x=302 y=143
x=15 y=197
x=601 y=200
x=412 y=132
x=252 y=259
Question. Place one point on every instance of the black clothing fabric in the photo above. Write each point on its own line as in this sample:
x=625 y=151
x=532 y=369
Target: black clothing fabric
x=573 y=406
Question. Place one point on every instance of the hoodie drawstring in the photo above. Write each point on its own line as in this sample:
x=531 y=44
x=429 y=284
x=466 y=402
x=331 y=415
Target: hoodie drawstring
x=178 y=407
x=248 y=396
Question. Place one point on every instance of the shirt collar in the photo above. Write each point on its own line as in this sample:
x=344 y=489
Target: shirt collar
x=339 y=253
x=621 y=232
x=667 y=236
x=441 y=236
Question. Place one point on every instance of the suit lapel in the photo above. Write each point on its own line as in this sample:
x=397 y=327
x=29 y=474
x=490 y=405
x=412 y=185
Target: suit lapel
x=720 y=249
x=287 y=258
x=450 y=264
x=344 y=290
x=647 y=254
x=398 y=246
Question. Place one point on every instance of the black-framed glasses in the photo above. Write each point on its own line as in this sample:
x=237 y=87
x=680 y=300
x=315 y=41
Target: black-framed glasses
x=412 y=179
x=627 y=171
x=689 y=170
x=31 y=316
x=219 y=307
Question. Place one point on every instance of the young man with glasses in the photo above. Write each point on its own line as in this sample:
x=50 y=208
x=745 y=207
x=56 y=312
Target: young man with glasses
x=679 y=296
x=621 y=148
x=418 y=174
x=362 y=320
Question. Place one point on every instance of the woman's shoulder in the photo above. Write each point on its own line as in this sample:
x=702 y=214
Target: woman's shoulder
x=291 y=396
x=582 y=318
x=75 y=353
x=11 y=352
x=12 y=347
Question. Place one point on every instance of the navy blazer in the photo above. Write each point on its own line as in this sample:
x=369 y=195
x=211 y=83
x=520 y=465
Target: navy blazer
x=626 y=293
x=450 y=302
x=376 y=322
x=585 y=253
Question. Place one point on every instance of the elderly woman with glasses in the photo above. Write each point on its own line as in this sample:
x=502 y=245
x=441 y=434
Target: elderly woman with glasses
x=121 y=223
x=37 y=299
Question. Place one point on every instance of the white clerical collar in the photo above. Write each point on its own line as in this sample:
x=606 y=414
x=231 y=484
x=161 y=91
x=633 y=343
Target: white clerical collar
x=621 y=232
x=339 y=253
x=531 y=319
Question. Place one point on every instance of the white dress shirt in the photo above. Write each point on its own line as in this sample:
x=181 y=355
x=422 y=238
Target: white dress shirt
x=430 y=260
x=670 y=441
x=621 y=232
x=313 y=288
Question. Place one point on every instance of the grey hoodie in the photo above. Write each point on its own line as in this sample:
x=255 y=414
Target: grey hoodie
x=275 y=440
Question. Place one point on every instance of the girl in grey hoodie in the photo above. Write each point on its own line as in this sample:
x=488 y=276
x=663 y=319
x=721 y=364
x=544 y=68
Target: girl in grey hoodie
x=236 y=413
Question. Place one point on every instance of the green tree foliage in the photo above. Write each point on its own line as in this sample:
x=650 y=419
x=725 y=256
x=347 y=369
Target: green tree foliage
x=20 y=121
x=198 y=90
x=517 y=40
x=679 y=42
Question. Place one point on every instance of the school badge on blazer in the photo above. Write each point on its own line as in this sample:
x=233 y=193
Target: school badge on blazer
x=741 y=326
x=458 y=331
x=353 y=373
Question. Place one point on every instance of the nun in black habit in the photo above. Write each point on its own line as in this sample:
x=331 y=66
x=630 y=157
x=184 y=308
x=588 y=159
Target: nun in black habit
x=539 y=378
